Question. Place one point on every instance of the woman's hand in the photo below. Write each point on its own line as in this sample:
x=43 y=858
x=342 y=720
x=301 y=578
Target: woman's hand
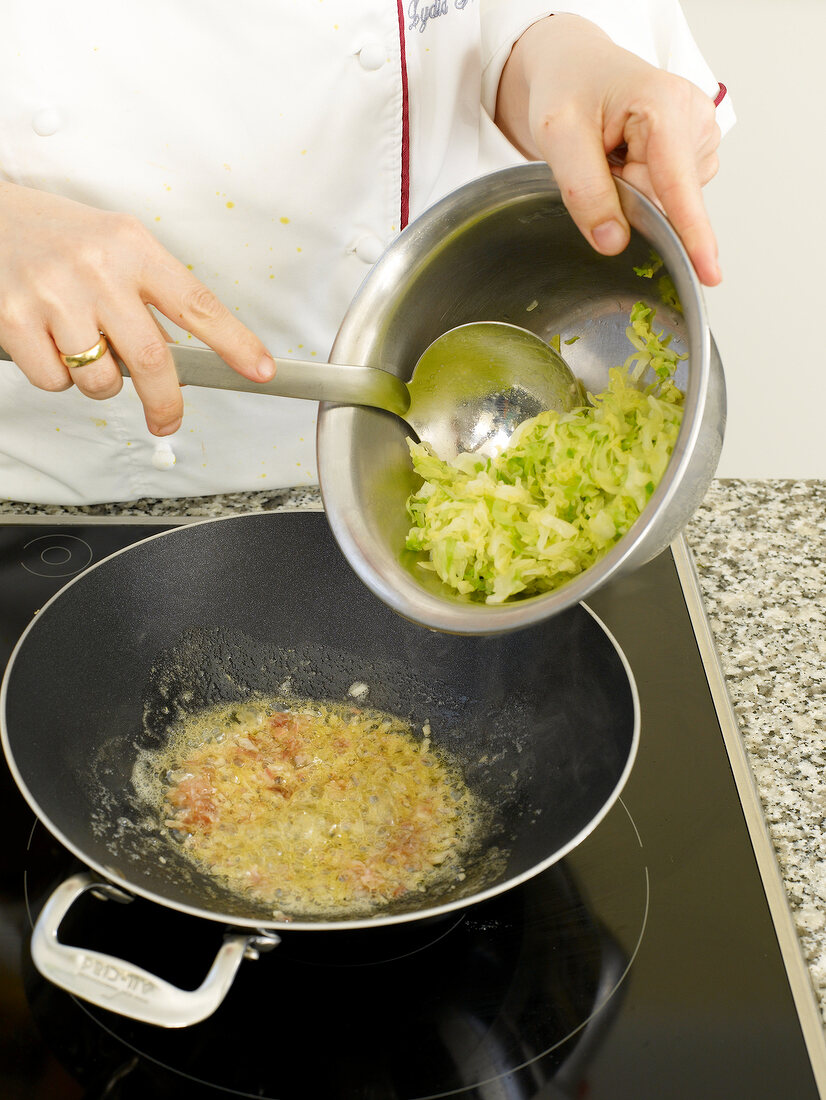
x=68 y=272
x=568 y=95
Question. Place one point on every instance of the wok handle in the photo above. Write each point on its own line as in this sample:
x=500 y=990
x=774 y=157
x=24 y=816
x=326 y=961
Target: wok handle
x=118 y=986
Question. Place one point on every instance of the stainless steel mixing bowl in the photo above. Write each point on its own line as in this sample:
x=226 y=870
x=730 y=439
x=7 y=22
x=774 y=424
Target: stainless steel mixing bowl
x=504 y=248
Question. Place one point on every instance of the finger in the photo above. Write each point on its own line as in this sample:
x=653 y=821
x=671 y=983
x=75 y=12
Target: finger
x=142 y=347
x=575 y=151
x=710 y=142
x=168 y=337
x=706 y=265
x=637 y=175
x=192 y=306
x=100 y=379
x=34 y=352
x=707 y=168
x=676 y=182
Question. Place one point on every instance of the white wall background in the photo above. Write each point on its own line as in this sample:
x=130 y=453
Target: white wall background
x=768 y=208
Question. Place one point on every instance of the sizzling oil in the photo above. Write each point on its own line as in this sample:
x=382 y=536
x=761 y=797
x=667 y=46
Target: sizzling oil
x=316 y=810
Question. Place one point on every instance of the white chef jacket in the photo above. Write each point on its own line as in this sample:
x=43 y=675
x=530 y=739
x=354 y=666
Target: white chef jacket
x=276 y=147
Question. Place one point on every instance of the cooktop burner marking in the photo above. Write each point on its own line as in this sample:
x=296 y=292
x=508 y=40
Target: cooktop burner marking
x=597 y=892
x=56 y=555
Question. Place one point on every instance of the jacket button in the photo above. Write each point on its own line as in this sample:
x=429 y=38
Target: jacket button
x=372 y=55
x=163 y=457
x=368 y=248
x=46 y=121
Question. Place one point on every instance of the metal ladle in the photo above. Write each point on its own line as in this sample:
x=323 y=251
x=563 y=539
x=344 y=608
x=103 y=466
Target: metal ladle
x=469 y=390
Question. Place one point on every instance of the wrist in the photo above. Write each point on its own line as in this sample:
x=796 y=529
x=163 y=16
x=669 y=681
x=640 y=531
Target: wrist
x=545 y=47
x=551 y=37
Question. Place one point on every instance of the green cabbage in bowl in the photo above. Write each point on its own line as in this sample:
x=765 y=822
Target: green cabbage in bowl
x=566 y=488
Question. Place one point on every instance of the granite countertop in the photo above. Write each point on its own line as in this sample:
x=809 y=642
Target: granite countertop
x=760 y=551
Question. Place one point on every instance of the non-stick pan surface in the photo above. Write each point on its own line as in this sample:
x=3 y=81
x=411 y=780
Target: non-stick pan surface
x=545 y=721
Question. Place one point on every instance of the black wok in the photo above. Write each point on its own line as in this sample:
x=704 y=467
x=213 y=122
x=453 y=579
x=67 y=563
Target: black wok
x=545 y=721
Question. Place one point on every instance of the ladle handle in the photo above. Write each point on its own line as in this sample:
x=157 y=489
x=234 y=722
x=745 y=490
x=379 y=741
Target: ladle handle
x=121 y=987
x=350 y=385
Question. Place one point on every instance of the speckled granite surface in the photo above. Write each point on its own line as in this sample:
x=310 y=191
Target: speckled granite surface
x=206 y=507
x=760 y=550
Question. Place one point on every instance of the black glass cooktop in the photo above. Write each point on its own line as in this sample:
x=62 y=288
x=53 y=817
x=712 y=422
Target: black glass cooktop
x=645 y=966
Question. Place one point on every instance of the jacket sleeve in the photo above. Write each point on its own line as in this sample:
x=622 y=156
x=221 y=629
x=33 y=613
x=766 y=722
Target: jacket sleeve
x=655 y=30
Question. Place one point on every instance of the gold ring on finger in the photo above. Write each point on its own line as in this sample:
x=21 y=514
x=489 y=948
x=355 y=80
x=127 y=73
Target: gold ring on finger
x=83 y=358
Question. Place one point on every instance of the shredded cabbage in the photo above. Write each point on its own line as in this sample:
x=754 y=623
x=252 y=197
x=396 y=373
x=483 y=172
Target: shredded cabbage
x=651 y=266
x=665 y=284
x=565 y=489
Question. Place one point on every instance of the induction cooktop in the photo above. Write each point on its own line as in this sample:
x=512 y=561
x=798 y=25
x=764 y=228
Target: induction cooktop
x=658 y=961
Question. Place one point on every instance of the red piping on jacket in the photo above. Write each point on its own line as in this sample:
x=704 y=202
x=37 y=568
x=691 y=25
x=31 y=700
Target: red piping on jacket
x=404 y=213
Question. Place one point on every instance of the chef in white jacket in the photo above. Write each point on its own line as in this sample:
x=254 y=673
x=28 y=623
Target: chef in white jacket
x=239 y=168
